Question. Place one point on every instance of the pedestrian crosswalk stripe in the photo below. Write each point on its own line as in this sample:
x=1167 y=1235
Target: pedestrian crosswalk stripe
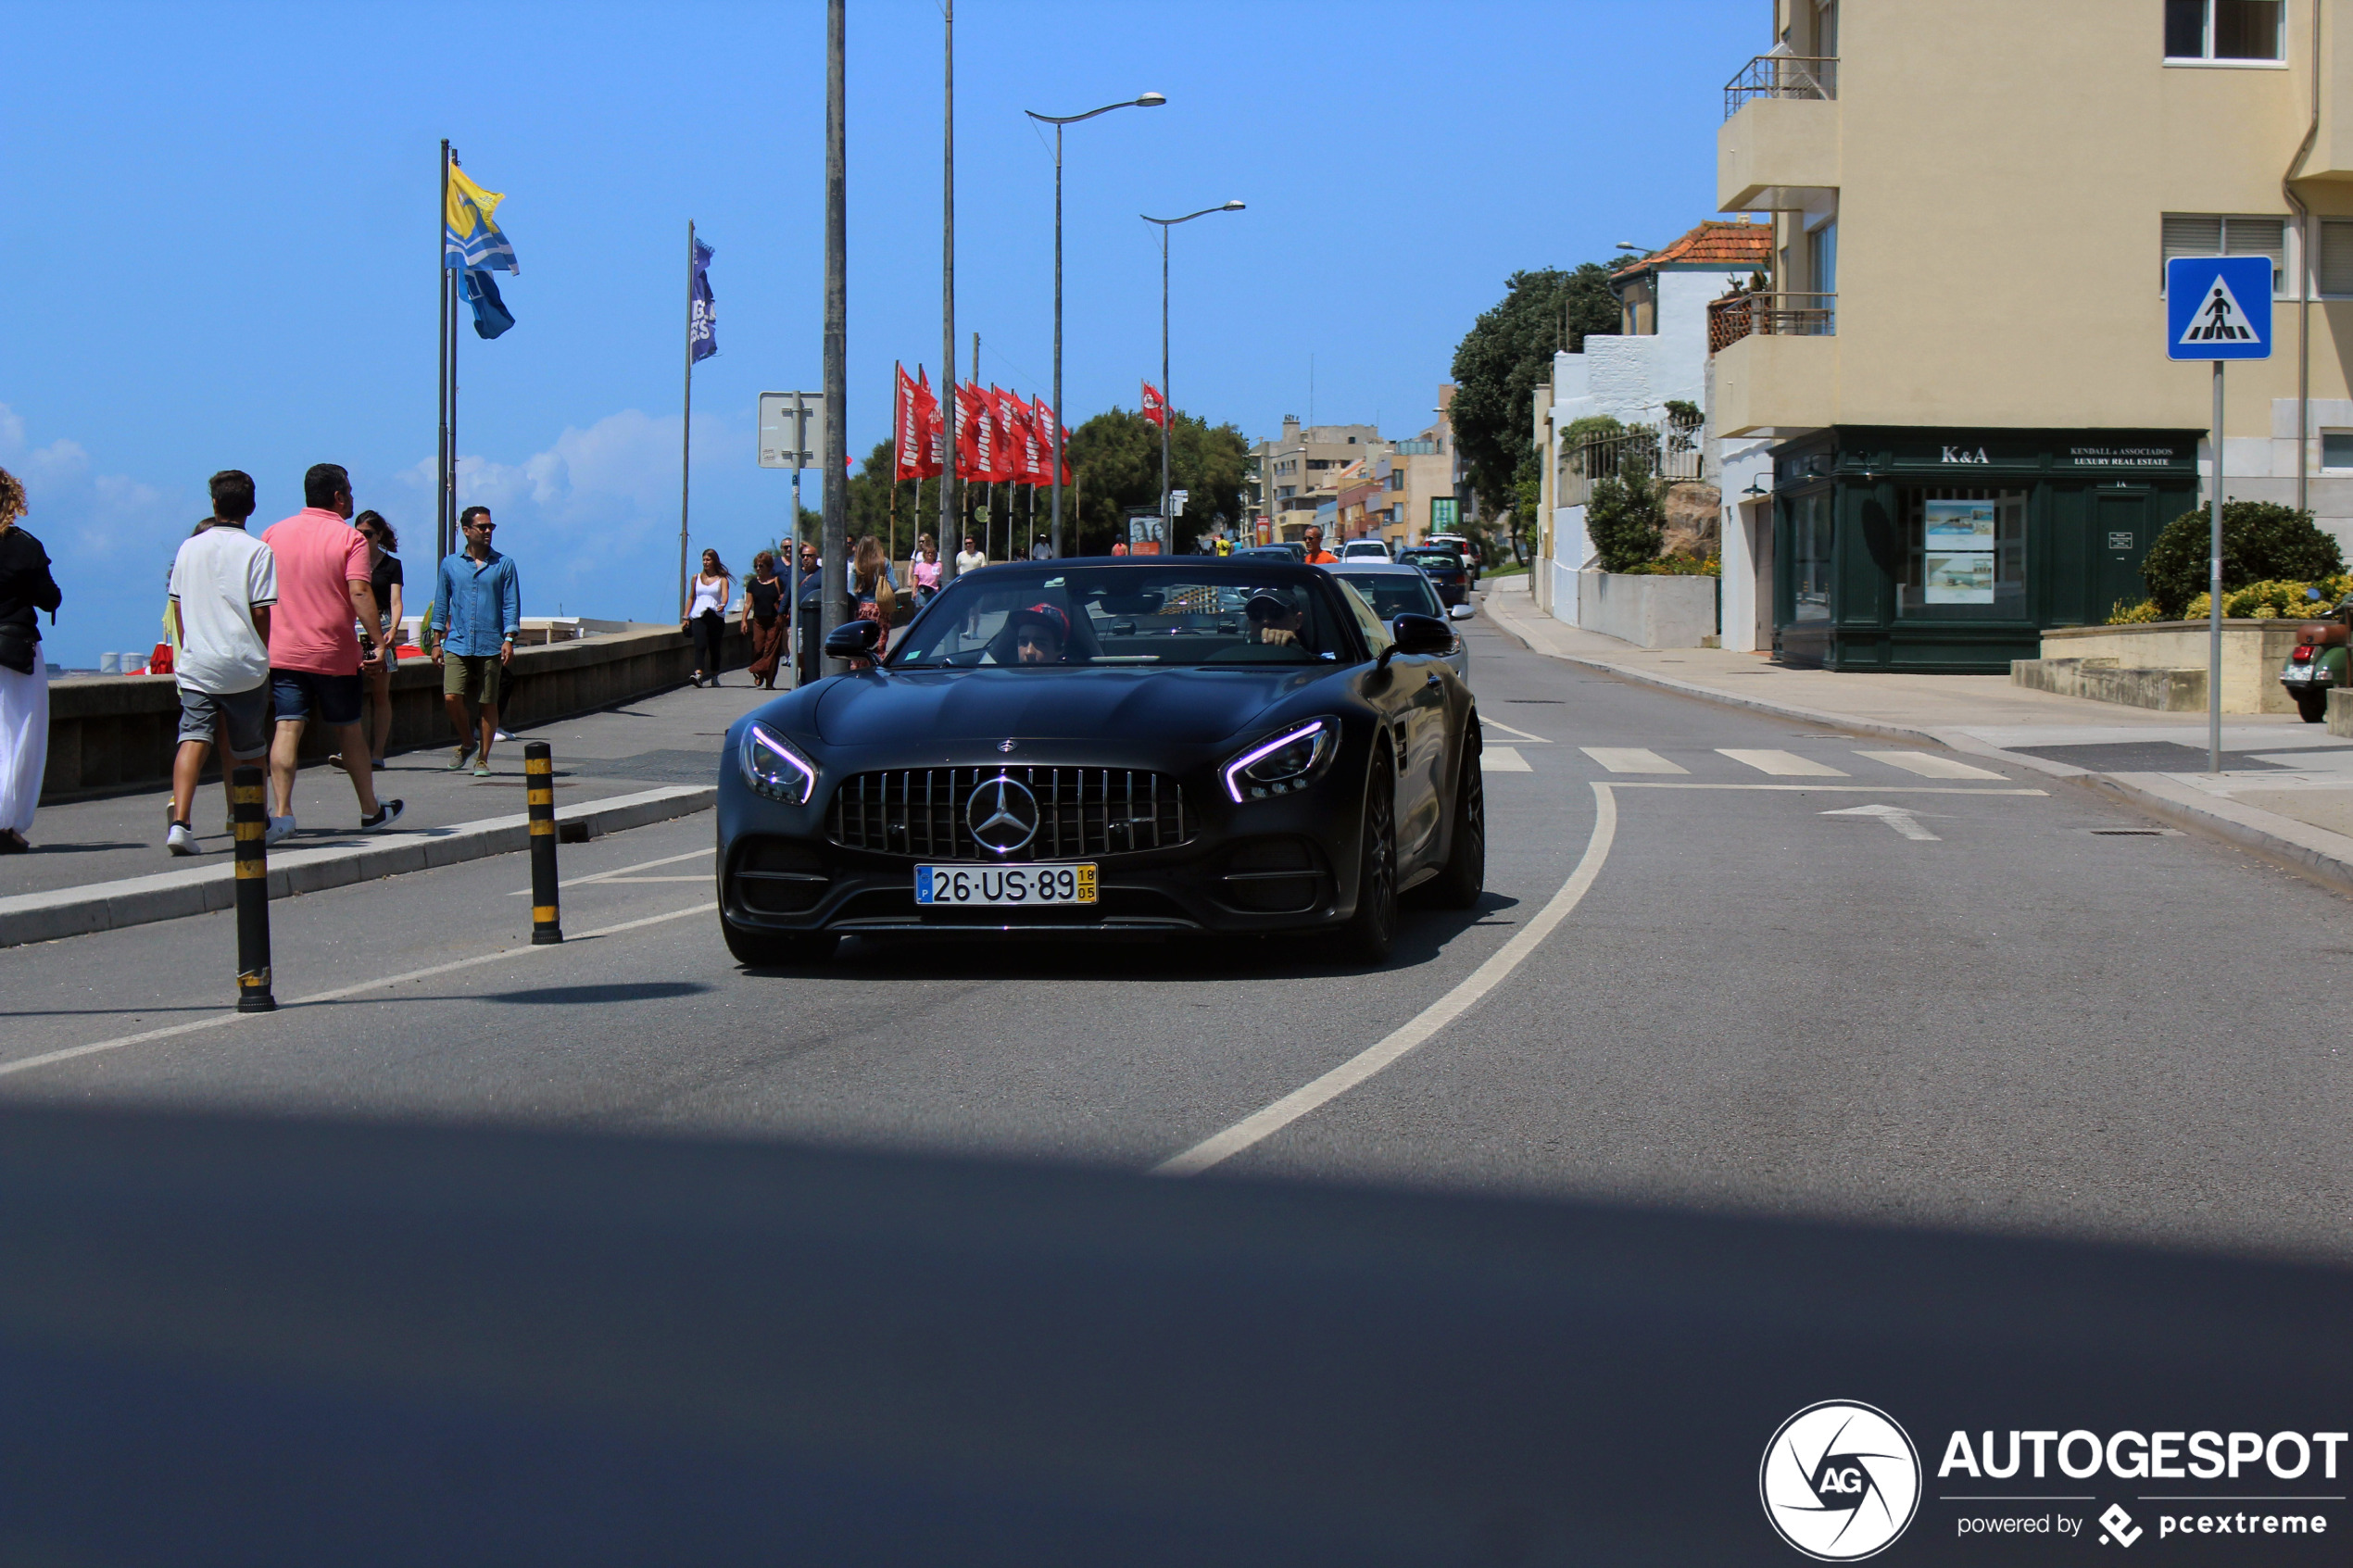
x=1928 y=765
x=1788 y=764
x=1502 y=759
x=1630 y=760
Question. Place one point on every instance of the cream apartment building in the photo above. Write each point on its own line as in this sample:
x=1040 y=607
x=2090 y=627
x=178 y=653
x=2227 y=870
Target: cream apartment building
x=1972 y=201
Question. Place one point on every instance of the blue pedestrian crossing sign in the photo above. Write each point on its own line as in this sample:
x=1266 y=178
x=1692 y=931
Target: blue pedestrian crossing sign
x=2218 y=307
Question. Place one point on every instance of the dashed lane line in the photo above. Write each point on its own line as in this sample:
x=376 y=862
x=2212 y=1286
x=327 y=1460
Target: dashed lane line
x=217 y=1021
x=620 y=874
x=1263 y=1124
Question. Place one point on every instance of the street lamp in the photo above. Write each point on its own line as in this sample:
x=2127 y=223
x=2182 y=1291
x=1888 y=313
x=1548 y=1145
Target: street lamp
x=1167 y=401
x=1149 y=101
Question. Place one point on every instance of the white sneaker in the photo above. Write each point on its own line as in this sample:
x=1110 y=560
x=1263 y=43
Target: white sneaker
x=181 y=841
x=280 y=827
x=500 y=735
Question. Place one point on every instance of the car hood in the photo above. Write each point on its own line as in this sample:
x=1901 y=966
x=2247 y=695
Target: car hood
x=1196 y=706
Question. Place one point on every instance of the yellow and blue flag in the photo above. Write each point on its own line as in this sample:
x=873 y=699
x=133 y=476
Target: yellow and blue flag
x=470 y=238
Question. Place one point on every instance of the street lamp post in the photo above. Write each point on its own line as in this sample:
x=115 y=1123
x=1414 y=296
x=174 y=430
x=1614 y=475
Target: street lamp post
x=1149 y=101
x=1167 y=398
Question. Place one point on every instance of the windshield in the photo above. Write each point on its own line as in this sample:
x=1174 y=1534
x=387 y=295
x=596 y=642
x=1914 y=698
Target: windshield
x=1201 y=613
x=1393 y=593
x=1424 y=556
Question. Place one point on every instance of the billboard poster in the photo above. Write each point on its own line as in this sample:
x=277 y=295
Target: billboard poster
x=1958 y=537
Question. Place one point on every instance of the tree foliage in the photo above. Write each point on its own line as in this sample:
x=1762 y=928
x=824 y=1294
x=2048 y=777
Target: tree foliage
x=1506 y=354
x=1115 y=459
x=1625 y=517
x=2261 y=540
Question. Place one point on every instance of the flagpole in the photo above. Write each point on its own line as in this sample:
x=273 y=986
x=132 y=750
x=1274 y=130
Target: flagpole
x=686 y=423
x=836 y=341
x=949 y=539
x=441 y=374
x=450 y=504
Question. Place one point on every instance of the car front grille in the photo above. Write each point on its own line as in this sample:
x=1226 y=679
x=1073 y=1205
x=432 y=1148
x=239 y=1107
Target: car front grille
x=1081 y=811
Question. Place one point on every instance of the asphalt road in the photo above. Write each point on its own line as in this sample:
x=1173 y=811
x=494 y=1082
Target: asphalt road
x=2000 y=1012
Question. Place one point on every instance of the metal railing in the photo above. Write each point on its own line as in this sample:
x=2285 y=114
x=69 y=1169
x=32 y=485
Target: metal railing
x=1770 y=314
x=1781 y=76
x=1637 y=452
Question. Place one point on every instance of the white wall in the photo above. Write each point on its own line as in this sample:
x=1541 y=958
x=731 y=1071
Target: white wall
x=1746 y=588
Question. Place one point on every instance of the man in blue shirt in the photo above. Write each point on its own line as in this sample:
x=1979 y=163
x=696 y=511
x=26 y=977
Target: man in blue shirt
x=477 y=610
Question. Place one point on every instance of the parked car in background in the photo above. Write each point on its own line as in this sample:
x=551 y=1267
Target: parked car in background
x=1461 y=546
x=1391 y=590
x=1443 y=565
x=1365 y=549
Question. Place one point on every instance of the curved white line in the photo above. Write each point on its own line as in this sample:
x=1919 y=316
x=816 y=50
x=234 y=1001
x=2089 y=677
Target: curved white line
x=1263 y=1125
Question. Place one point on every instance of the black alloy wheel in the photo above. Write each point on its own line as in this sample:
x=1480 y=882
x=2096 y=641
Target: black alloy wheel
x=1372 y=930
x=2312 y=706
x=775 y=949
x=1462 y=882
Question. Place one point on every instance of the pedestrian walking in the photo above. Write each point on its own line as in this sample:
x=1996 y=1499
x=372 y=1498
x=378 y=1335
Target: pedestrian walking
x=971 y=557
x=324 y=580
x=223 y=582
x=765 y=620
x=386 y=578
x=925 y=572
x=477 y=610
x=807 y=594
x=26 y=588
x=872 y=596
x=706 y=617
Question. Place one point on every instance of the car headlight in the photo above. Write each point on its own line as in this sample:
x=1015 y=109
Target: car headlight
x=774 y=767
x=1282 y=763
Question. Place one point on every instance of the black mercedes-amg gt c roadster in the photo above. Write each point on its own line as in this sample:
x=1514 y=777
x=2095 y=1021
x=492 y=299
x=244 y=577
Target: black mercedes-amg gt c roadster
x=1163 y=745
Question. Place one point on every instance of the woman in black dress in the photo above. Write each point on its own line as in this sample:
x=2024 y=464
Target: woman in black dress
x=763 y=619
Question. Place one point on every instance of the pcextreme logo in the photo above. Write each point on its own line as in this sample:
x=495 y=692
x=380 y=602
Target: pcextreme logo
x=1841 y=1481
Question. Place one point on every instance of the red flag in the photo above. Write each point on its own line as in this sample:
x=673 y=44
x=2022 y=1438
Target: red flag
x=1031 y=462
x=1004 y=452
x=1046 y=443
x=928 y=437
x=1155 y=406
x=906 y=438
x=973 y=445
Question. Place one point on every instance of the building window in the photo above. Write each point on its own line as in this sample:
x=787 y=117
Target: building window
x=1821 y=258
x=2198 y=234
x=1809 y=564
x=1968 y=555
x=2337 y=258
x=1396 y=478
x=2337 y=449
x=2200 y=30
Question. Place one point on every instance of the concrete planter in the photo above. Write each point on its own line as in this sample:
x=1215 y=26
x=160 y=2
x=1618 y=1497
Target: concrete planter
x=113 y=732
x=2163 y=665
x=1651 y=612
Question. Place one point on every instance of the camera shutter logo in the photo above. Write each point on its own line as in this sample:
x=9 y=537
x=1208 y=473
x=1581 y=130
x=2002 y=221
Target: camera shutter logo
x=1841 y=1481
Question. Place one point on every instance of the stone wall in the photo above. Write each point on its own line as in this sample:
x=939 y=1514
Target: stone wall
x=2253 y=652
x=113 y=732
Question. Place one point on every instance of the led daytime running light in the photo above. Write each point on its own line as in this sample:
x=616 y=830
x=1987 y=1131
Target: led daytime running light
x=1233 y=770
x=762 y=749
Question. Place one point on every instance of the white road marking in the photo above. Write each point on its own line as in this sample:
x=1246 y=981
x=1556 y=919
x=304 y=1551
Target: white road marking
x=1828 y=789
x=1487 y=724
x=1265 y=1124
x=218 y=1020
x=1902 y=822
x=1928 y=765
x=1787 y=764
x=620 y=871
x=1630 y=760
x=1502 y=759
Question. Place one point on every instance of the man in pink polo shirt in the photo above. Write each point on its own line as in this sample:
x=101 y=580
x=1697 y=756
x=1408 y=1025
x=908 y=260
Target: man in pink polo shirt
x=323 y=592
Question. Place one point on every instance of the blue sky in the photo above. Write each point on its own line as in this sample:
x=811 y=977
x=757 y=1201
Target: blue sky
x=221 y=236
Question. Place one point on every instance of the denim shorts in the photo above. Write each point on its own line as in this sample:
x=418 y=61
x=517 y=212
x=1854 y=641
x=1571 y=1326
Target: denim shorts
x=242 y=719
x=304 y=695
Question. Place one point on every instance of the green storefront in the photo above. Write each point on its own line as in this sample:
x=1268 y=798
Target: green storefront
x=1899 y=547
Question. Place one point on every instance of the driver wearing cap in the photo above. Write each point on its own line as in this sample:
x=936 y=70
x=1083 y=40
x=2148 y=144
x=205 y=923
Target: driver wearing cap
x=1276 y=617
x=1041 y=633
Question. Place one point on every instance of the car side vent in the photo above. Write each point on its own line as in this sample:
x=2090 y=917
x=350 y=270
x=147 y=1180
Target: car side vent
x=1079 y=811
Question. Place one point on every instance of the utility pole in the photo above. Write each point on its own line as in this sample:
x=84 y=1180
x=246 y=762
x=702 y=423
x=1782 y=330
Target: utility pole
x=950 y=540
x=990 y=493
x=836 y=491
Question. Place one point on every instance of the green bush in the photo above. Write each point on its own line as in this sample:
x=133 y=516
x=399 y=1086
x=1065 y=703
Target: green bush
x=1680 y=566
x=2262 y=542
x=2122 y=614
x=1625 y=517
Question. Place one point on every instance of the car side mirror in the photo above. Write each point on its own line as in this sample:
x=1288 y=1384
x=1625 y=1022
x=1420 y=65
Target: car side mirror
x=1459 y=612
x=1417 y=634
x=853 y=639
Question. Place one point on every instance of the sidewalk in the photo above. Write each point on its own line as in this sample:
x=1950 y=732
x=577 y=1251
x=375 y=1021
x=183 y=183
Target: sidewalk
x=96 y=864
x=2286 y=788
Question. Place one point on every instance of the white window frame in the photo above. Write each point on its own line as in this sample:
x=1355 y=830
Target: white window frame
x=2321 y=445
x=2290 y=245
x=2207 y=62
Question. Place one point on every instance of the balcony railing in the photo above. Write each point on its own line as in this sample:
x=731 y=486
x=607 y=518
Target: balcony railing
x=1638 y=451
x=1772 y=315
x=1781 y=76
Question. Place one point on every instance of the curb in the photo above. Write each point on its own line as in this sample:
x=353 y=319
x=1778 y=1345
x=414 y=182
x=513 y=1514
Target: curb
x=142 y=900
x=2324 y=857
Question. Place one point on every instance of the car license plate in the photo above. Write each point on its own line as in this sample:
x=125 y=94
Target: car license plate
x=1005 y=885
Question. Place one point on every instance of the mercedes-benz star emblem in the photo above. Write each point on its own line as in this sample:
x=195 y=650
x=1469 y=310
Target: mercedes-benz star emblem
x=1002 y=814
x=1004 y=745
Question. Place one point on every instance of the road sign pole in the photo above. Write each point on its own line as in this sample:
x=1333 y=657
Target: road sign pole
x=2214 y=593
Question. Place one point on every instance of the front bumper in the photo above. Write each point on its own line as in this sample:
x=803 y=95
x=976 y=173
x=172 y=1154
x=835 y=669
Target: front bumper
x=1287 y=863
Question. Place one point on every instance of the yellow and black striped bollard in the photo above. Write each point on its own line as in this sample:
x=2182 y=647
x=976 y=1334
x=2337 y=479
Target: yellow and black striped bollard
x=539 y=777
x=250 y=822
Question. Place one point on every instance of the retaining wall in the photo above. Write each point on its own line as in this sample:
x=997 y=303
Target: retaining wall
x=1651 y=612
x=2136 y=656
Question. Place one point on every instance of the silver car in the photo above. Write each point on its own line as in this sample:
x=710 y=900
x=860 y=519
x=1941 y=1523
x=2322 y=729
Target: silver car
x=1394 y=590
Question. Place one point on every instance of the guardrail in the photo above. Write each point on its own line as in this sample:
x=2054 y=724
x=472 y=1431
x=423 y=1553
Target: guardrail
x=1770 y=314
x=1781 y=76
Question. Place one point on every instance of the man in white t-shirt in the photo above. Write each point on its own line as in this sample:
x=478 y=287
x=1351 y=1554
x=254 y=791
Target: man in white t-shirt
x=223 y=582
x=971 y=557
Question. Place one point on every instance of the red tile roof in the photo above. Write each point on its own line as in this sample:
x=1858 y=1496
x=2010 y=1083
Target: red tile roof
x=1713 y=243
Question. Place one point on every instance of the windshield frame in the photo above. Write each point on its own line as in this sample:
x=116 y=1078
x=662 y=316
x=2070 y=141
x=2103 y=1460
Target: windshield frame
x=951 y=600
